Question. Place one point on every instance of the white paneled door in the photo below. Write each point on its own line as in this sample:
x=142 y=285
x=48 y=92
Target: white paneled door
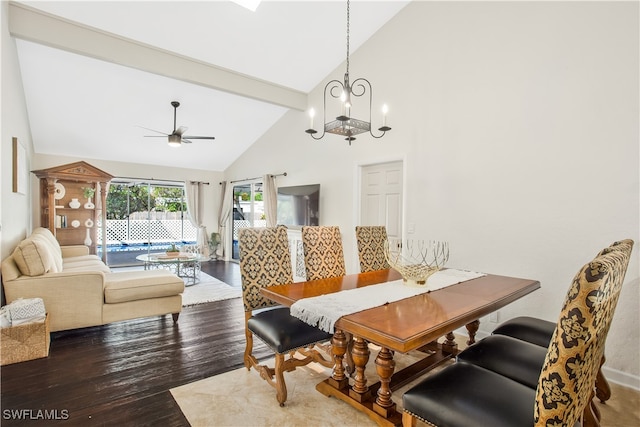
x=381 y=196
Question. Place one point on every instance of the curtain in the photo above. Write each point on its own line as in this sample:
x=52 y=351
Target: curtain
x=270 y=197
x=195 y=203
x=223 y=216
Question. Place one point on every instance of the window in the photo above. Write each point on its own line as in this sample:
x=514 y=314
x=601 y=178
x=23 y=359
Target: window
x=248 y=211
x=144 y=217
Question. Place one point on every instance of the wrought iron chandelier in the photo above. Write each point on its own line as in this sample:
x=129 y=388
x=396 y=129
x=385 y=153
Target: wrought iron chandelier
x=344 y=124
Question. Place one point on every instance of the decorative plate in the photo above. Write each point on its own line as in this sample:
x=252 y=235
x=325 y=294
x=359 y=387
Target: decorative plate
x=59 y=191
x=75 y=223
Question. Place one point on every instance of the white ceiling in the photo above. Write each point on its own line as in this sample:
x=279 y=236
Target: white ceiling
x=91 y=108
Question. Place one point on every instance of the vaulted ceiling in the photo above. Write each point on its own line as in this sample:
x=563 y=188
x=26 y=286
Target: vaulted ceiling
x=96 y=73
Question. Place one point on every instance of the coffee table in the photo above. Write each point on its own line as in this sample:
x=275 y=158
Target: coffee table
x=185 y=265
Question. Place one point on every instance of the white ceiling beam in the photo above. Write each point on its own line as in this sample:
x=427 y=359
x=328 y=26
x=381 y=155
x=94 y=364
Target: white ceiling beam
x=43 y=28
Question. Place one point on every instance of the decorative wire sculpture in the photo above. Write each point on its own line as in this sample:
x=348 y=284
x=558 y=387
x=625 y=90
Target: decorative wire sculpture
x=416 y=260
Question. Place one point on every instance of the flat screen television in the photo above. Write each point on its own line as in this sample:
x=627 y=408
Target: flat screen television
x=299 y=205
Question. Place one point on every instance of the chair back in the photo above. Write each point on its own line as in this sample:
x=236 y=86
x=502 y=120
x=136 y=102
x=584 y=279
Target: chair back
x=323 y=254
x=371 y=240
x=264 y=261
x=577 y=345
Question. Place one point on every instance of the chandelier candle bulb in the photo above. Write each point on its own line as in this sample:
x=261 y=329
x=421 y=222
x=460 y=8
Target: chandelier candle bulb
x=385 y=110
x=312 y=114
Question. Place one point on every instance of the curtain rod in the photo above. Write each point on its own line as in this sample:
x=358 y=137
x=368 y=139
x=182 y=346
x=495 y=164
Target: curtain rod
x=152 y=180
x=253 y=179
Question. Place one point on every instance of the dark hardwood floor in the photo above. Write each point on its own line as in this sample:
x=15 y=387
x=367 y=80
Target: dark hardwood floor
x=120 y=374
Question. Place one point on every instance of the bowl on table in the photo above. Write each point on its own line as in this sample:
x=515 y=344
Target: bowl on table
x=416 y=260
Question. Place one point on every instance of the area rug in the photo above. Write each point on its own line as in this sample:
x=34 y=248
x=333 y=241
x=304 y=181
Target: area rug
x=242 y=398
x=207 y=289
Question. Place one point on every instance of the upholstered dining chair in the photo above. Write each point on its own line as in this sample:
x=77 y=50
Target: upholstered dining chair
x=323 y=259
x=323 y=254
x=464 y=394
x=371 y=240
x=265 y=261
x=539 y=331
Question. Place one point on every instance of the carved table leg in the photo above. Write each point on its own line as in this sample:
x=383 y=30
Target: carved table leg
x=350 y=368
x=385 y=365
x=449 y=344
x=472 y=328
x=360 y=352
x=338 y=347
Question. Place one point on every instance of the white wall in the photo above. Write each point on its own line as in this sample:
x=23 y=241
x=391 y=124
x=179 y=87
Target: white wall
x=133 y=170
x=15 y=208
x=518 y=124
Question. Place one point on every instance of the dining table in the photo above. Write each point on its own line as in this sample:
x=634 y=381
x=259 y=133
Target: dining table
x=414 y=323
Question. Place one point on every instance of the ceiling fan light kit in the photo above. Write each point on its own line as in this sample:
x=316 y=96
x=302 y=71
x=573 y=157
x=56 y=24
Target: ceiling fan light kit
x=344 y=124
x=177 y=137
x=174 y=140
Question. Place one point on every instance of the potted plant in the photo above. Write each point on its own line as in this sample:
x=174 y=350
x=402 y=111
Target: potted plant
x=214 y=241
x=173 y=251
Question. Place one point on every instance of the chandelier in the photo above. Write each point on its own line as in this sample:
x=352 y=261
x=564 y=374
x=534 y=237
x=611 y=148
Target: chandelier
x=345 y=124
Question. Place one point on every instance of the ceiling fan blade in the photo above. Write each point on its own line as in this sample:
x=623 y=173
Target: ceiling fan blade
x=180 y=130
x=198 y=137
x=153 y=130
x=186 y=141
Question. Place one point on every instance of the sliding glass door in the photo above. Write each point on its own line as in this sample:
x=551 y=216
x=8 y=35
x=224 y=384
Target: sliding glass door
x=248 y=211
x=144 y=217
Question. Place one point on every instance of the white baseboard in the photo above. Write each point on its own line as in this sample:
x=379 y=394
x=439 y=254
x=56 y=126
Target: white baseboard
x=621 y=378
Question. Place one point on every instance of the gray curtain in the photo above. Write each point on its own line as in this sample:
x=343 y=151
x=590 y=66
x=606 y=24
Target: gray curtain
x=223 y=216
x=270 y=197
x=195 y=202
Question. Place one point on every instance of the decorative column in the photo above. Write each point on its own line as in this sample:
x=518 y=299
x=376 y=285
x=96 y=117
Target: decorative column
x=102 y=189
x=51 y=203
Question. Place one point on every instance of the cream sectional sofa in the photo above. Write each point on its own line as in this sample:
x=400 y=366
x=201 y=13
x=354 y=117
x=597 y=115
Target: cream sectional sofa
x=79 y=290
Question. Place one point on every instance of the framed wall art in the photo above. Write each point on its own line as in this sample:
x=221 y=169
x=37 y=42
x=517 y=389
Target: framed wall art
x=20 y=173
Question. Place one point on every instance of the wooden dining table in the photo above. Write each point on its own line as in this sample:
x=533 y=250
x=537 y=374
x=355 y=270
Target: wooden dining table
x=414 y=323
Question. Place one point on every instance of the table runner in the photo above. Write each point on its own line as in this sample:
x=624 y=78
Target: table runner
x=324 y=311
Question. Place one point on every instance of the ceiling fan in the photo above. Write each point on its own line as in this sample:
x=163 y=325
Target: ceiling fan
x=177 y=136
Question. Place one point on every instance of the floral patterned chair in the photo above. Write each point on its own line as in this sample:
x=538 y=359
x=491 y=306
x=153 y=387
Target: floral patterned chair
x=323 y=255
x=464 y=394
x=265 y=261
x=539 y=331
x=371 y=240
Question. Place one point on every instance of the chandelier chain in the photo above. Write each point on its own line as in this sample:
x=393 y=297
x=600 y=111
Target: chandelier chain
x=348 y=10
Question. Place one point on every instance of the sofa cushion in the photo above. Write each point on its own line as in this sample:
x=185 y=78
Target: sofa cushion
x=55 y=257
x=138 y=285
x=81 y=258
x=46 y=234
x=87 y=266
x=33 y=257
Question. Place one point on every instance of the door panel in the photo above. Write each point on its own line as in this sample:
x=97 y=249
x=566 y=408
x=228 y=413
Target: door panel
x=381 y=196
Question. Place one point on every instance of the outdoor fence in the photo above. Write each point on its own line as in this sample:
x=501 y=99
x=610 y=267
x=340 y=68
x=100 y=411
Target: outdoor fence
x=132 y=231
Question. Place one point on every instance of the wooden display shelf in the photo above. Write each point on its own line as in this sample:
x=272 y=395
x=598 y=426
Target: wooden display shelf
x=59 y=185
